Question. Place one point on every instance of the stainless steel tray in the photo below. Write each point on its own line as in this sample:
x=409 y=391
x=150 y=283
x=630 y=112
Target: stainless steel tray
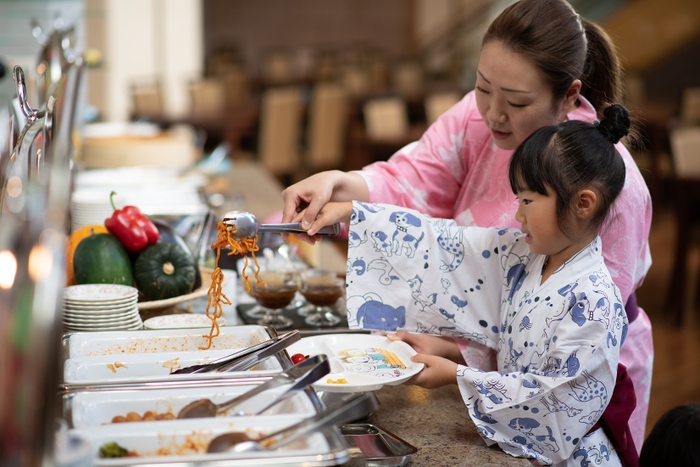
x=115 y=359
x=98 y=407
x=371 y=445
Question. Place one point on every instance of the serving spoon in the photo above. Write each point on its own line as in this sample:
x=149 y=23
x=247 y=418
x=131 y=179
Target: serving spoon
x=300 y=376
x=339 y=413
x=247 y=226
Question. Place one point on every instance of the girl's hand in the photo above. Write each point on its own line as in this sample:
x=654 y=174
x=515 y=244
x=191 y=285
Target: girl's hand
x=329 y=214
x=438 y=372
x=440 y=346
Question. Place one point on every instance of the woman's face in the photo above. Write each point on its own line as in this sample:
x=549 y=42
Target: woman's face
x=512 y=98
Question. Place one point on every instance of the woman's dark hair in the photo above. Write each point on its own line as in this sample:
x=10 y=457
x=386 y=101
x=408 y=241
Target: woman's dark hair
x=570 y=157
x=563 y=46
x=674 y=439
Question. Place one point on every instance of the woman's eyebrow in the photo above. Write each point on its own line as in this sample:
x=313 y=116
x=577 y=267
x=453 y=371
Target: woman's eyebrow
x=503 y=89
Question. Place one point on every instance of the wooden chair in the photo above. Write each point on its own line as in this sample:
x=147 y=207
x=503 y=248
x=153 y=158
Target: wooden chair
x=147 y=100
x=438 y=103
x=280 y=129
x=207 y=99
x=685 y=148
x=386 y=118
x=327 y=124
x=690 y=105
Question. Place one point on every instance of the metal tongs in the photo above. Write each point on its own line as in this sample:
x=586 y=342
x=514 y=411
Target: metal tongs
x=246 y=358
x=247 y=226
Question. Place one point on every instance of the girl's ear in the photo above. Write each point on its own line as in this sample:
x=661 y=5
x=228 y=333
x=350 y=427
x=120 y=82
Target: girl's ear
x=587 y=203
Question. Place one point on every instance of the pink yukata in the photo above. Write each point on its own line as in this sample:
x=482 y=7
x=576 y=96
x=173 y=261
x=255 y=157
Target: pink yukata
x=456 y=171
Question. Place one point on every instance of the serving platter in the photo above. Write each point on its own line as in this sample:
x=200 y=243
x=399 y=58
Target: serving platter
x=138 y=368
x=359 y=362
x=182 y=443
x=86 y=409
x=231 y=338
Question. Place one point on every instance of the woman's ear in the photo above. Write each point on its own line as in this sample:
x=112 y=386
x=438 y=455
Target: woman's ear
x=587 y=204
x=572 y=94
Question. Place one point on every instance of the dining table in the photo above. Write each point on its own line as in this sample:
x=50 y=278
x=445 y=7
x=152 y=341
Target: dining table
x=435 y=421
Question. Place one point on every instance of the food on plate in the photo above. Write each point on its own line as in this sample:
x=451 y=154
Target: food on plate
x=102 y=259
x=167 y=234
x=164 y=270
x=215 y=295
x=114 y=450
x=337 y=381
x=113 y=366
x=73 y=241
x=298 y=358
x=148 y=416
x=133 y=229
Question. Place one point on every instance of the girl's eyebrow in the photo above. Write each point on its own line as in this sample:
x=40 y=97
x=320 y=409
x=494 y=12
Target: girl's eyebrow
x=503 y=89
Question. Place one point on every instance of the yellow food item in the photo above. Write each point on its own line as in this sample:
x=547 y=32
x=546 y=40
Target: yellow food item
x=73 y=241
x=337 y=381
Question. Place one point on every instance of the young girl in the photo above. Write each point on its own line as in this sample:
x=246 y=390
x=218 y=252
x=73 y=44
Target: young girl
x=540 y=296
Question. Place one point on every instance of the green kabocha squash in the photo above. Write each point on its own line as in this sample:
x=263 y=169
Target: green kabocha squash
x=164 y=270
x=102 y=259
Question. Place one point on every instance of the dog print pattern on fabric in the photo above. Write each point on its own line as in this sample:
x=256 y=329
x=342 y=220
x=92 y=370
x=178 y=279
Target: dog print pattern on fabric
x=557 y=341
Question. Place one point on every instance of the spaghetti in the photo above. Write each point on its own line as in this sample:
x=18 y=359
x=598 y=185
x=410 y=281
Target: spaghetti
x=215 y=296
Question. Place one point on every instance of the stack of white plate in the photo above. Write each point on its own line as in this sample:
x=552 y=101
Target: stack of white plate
x=100 y=307
x=92 y=207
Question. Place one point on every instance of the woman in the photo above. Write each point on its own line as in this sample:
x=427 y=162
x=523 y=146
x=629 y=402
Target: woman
x=540 y=64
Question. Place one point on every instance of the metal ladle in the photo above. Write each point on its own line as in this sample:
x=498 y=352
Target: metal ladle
x=339 y=413
x=300 y=376
x=247 y=226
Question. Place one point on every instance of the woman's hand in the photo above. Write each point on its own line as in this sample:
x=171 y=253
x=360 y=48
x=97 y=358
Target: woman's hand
x=304 y=200
x=440 y=346
x=438 y=372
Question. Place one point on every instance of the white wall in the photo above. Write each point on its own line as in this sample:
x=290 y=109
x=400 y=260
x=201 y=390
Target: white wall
x=143 y=39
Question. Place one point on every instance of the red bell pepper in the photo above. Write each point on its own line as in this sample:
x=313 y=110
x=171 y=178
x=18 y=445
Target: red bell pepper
x=133 y=229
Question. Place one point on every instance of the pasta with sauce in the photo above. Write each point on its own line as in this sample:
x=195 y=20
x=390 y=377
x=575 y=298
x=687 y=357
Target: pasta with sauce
x=215 y=296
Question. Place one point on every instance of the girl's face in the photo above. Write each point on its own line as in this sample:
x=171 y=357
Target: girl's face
x=512 y=98
x=537 y=215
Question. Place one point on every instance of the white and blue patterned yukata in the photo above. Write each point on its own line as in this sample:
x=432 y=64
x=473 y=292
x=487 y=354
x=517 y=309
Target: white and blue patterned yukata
x=557 y=343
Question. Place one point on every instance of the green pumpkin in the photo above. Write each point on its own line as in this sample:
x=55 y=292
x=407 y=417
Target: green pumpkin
x=164 y=270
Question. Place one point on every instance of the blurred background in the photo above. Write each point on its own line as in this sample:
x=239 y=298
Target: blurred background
x=308 y=85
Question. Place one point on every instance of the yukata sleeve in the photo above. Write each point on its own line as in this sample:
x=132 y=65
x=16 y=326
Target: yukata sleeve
x=409 y=271
x=544 y=411
x=426 y=175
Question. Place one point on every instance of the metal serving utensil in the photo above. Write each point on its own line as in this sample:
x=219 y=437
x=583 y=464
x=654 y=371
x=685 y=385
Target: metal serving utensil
x=246 y=358
x=300 y=376
x=247 y=226
x=338 y=413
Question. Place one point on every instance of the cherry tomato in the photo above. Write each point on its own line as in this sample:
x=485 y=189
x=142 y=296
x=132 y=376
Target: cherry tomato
x=298 y=358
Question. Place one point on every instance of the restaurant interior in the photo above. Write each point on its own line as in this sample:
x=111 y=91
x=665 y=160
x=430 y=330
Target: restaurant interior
x=195 y=108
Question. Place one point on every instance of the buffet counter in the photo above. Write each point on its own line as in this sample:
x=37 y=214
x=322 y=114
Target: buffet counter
x=434 y=421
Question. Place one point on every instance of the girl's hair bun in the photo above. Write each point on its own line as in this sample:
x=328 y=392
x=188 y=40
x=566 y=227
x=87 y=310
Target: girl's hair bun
x=615 y=123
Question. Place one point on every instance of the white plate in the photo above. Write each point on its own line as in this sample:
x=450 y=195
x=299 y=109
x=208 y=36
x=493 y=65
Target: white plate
x=102 y=293
x=180 y=321
x=366 y=362
x=114 y=319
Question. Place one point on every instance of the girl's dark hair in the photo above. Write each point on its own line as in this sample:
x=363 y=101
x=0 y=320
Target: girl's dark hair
x=570 y=157
x=674 y=439
x=563 y=46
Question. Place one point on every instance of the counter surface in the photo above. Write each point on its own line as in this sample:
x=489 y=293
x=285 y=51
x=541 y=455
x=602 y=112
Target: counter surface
x=436 y=422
